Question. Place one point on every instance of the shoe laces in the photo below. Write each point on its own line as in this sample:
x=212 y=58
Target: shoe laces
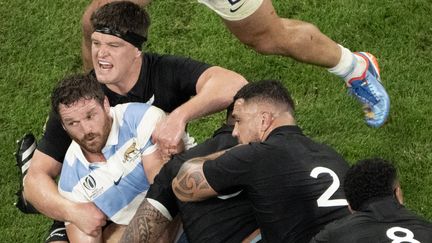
x=364 y=93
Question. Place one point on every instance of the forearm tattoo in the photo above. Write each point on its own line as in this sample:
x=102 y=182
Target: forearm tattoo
x=190 y=179
x=146 y=226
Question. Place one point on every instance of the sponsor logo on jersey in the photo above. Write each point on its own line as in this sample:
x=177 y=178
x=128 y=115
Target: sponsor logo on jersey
x=116 y=182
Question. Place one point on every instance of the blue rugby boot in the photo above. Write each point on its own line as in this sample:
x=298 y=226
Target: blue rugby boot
x=370 y=92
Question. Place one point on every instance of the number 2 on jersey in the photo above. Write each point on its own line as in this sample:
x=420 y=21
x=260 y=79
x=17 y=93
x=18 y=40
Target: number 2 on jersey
x=324 y=200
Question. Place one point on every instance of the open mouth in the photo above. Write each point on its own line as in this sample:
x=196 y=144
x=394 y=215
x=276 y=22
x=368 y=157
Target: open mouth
x=104 y=65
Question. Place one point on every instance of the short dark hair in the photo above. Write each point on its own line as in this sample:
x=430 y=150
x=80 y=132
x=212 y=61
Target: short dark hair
x=368 y=180
x=76 y=87
x=267 y=90
x=122 y=16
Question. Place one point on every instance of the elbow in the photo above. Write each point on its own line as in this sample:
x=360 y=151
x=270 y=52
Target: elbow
x=234 y=81
x=229 y=79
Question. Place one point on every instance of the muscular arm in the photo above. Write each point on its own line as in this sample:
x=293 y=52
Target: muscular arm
x=146 y=226
x=152 y=164
x=41 y=190
x=215 y=89
x=190 y=183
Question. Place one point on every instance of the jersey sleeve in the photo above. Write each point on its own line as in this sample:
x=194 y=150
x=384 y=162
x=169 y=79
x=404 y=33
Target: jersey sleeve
x=69 y=181
x=160 y=192
x=174 y=79
x=146 y=127
x=232 y=171
x=55 y=141
x=186 y=72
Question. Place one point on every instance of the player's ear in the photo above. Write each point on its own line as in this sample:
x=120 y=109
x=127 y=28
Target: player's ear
x=266 y=120
x=138 y=53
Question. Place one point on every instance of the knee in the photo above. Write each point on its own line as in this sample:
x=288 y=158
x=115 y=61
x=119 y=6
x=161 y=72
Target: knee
x=302 y=35
x=86 y=25
x=261 y=42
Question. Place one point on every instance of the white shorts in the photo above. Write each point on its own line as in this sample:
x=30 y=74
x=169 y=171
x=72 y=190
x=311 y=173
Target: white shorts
x=233 y=10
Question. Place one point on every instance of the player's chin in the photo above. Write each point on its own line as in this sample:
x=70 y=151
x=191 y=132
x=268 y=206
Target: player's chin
x=93 y=146
x=104 y=76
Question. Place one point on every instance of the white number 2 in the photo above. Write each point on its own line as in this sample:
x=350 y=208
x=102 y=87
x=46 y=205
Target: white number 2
x=324 y=200
x=409 y=235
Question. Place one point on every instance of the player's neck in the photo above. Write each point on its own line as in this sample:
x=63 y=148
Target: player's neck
x=283 y=119
x=94 y=157
x=129 y=80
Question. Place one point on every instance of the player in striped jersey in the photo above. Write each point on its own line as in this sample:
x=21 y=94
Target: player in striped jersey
x=112 y=159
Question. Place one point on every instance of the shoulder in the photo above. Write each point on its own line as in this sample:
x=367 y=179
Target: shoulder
x=173 y=61
x=130 y=111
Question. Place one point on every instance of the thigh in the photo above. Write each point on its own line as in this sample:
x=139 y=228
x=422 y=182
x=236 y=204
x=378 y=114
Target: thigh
x=263 y=20
x=113 y=232
x=76 y=235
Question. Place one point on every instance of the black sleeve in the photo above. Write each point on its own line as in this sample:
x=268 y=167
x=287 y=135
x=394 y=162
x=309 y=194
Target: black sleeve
x=187 y=72
x=55 y=141
x=232 y=171
x=174 y=79
x=161 y=190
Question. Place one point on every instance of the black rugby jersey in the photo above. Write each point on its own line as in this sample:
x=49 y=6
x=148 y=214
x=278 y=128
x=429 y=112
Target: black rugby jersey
x=383 y=220
x=212 y=220
x=292 y=182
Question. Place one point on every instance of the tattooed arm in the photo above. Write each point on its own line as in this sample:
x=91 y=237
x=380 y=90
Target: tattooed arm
x=190 y=183
x=147 y=225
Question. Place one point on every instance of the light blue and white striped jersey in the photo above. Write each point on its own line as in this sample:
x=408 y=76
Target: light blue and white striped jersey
x=117 y=186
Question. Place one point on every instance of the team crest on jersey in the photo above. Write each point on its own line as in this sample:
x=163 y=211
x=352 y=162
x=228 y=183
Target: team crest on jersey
x=131 y=153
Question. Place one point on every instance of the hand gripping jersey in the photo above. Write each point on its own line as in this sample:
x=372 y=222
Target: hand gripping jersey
x=117 y=186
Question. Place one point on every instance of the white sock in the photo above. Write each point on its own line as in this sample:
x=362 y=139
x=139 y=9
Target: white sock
x=349 y=66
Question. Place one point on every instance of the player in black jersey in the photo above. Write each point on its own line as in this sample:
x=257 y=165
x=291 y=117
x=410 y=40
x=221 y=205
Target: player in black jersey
x=224 y=219
x=375 y=199
x=292 y=182
x=186 y=88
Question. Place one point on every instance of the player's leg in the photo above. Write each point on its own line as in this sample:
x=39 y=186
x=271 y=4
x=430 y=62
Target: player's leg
x=25 y=149
x=113 y=232
x=57 y=233
x=76 y=235
x=256 y=24
x=87 y=29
